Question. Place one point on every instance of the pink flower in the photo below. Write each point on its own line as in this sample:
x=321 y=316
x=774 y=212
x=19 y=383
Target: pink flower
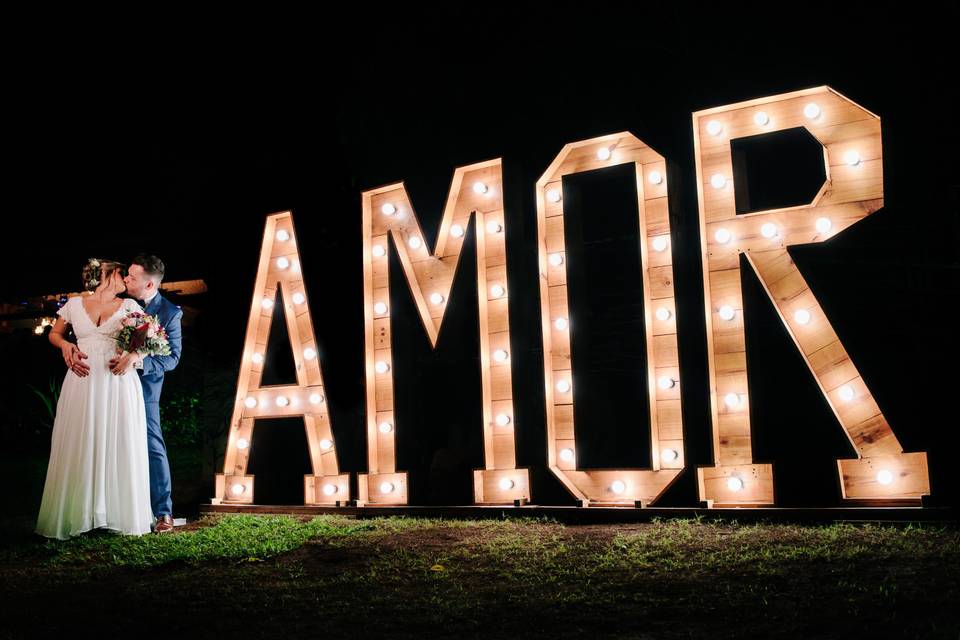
x=151 y=332
x=129 y=322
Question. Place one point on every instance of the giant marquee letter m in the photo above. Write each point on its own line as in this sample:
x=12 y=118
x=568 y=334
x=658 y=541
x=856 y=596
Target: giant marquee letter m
x=475 y=199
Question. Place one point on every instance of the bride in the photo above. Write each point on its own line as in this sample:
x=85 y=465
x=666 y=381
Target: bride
x=99 y=474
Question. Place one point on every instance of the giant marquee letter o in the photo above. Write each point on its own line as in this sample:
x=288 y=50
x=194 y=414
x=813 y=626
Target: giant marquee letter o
x=629 y=486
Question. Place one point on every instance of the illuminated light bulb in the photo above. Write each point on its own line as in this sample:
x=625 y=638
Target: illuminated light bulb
x=309 y=354
x=769 y=230
x=669 y=455
x=500 y=355
x=326 y=444
x=660 y=243
x=663 y=314
x=316 y=398
x=494 y=227
x=385 y=427
x=242 y=443
x=723 y=236
x=329 y=489
x=566 y=455
x=250 y=402
x=497 y=291
x=802 y=316
x=812 y=111
x=847 y=393
x=884 y=477
x=479 y=188
x=436 y=298
x=556 y=259
x=732 y=400
x=603 y=153
x=382 y=367
x=388 y=209
x=727 y=312
x=714 y=127
x=734 y=483
x=379 y=251
x=824 y=225
x=506 y=484
x=666 y=382
x=299 y=298
x=38 y=330
x=257 y=358
x=282 y=263
x=618 y=486
x=561 y=324
x=503 y=419
x=456 y=231
x=553 y=195
x=414 y=242
x=380 y=308
x=655 y=177
x=238 y=489
x=267 y=303
x=761 y=118
x=386 y=487
x=852 y=158
x=563 y=386
x=282 y=235
x=282 y=401
x=718 y=180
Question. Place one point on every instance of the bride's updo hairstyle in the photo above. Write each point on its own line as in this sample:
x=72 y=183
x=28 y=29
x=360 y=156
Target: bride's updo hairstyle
x=97 y=270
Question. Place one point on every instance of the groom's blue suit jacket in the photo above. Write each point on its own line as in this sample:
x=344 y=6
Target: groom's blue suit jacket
x=151 y=376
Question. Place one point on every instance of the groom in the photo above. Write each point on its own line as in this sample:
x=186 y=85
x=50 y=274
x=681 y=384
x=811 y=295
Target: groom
x=143 y=283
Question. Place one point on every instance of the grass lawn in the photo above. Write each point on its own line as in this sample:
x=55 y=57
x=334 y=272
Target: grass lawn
x=335 y=576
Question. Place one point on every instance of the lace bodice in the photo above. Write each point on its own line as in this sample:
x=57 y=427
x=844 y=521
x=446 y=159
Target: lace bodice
x=90 y=337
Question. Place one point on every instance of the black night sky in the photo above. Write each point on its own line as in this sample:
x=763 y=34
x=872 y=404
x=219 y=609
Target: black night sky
x=178 y=137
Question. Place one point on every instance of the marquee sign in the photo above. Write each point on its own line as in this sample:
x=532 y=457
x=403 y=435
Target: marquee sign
x=853 y=189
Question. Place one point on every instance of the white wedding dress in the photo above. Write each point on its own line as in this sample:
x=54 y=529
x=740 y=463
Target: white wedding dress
x=99 y=473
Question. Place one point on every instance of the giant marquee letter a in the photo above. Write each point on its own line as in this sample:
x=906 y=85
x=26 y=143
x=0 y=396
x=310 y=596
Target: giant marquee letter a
x=476 y=197
x=663 y=368
x=279 y=270
x=853 y=157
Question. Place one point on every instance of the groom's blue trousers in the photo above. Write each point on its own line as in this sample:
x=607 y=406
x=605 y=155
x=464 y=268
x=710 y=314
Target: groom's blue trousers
x=159 y=466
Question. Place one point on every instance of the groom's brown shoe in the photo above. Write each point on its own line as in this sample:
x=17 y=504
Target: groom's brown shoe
x=164 y=524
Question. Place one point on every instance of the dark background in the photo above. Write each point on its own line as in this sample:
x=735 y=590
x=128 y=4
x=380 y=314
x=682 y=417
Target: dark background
x=177 y=135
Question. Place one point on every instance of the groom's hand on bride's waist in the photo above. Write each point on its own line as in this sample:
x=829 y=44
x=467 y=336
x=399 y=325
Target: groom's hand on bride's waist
x=74 y=359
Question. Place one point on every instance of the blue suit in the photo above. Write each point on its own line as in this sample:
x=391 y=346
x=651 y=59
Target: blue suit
x=151 y=378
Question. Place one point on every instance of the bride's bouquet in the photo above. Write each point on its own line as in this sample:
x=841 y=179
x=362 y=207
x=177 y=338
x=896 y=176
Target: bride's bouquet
x=143 y=334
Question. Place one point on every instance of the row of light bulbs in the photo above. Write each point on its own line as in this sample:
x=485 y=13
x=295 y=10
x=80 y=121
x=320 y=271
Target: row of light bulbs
x=811 y=111
x=769 y=230
x=800 y=316
x=251 y=402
